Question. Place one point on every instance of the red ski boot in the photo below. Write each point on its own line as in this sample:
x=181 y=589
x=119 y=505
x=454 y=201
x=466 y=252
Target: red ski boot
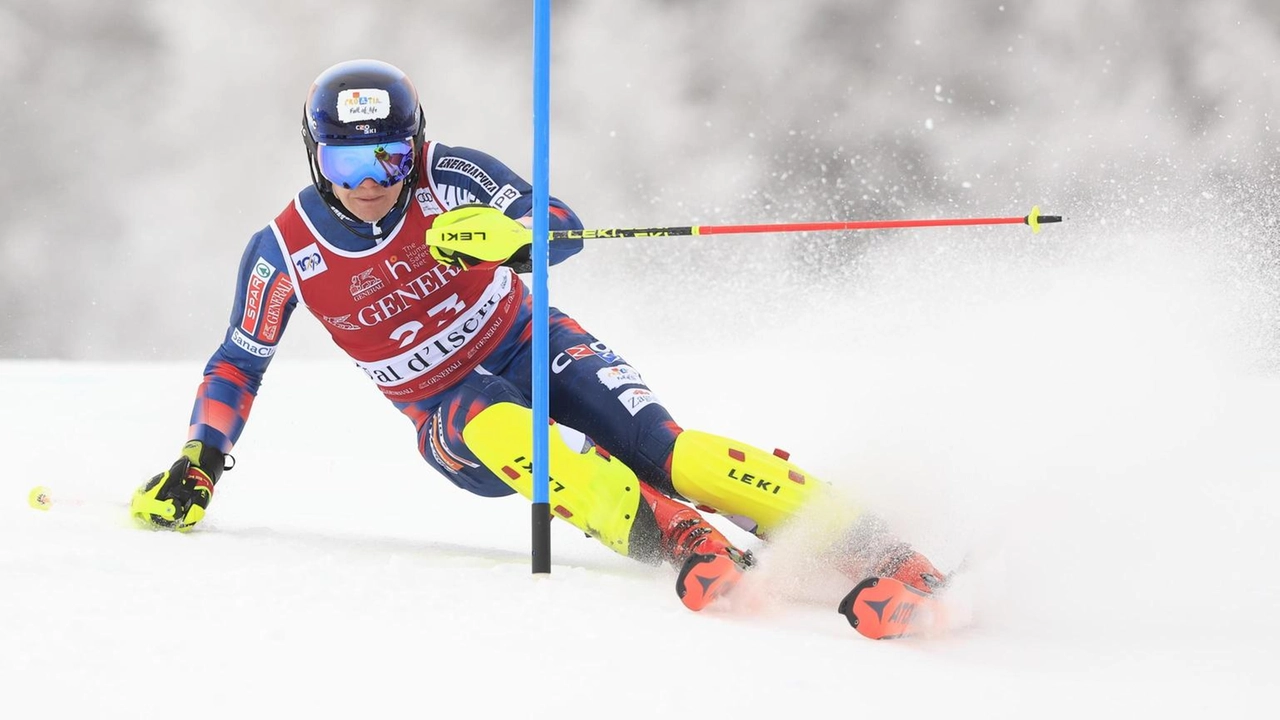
x=894 y=595
x=709 y=564
x=870 y=550
x=910 y=568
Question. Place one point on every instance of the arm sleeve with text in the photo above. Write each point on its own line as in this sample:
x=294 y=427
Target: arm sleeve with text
x=264 y=300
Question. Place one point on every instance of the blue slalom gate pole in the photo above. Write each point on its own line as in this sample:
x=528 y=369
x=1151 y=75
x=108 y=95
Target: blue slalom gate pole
x=541 y=199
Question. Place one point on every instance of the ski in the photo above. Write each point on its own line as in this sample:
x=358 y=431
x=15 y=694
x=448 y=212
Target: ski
x=883 y=608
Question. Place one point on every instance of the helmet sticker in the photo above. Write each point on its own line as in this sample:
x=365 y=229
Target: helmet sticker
x=363 y=104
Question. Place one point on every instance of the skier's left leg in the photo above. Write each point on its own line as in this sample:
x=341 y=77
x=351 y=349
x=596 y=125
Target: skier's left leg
x=769 y=492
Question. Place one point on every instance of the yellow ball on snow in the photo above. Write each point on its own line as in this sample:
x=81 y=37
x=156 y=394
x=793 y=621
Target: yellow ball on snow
x=39 y=498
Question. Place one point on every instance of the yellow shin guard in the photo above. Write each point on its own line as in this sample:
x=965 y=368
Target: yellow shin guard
x=737 y=479
x=592 y=491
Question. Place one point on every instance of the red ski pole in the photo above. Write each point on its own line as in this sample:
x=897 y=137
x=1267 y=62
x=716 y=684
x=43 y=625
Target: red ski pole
x=1034 y=220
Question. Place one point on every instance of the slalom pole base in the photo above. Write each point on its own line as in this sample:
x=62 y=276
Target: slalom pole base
x=541 y=538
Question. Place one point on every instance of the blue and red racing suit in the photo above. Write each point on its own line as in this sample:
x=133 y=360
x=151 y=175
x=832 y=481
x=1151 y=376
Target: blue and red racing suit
x=441 y=343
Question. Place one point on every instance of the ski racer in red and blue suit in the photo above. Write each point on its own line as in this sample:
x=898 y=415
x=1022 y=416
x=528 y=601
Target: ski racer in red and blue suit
x=408 y=252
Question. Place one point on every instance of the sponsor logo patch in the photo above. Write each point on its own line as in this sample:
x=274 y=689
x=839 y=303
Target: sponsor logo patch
x=471 y=170
x=342 y=323
x=615 y=376
x=273 y=316
x=504 y=196
x=363 y=104
x=244 y=342
x=637 y=399
x=581 y=352
x=308 y=262
x=257 y=286
x=365 y=284
x=427 y=202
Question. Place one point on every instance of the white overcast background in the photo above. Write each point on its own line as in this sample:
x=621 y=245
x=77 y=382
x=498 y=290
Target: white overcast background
x=1086 y=415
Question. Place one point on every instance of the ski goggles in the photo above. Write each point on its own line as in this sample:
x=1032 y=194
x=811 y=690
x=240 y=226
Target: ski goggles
x=348 y=165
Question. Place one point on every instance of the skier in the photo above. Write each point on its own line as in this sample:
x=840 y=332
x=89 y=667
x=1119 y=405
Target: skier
x=445 y=335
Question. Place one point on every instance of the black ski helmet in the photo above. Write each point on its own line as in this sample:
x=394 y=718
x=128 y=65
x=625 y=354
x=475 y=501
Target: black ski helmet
x=359 y=102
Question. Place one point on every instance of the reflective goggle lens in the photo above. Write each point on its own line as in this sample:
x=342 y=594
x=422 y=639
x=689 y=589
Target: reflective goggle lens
x=348 y=165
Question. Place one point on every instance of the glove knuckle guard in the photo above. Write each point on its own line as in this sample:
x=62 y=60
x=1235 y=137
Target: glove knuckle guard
x=178 y=497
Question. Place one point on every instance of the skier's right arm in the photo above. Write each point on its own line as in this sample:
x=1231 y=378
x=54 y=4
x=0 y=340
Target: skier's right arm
x=264 y=300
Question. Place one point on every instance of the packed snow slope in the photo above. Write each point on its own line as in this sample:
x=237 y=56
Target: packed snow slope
x=1090 y=426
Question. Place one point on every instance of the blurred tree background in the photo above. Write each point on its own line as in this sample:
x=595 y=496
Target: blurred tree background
x=145 y=140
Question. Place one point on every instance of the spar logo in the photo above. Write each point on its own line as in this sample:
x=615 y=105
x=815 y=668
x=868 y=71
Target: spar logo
x=253 y=294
